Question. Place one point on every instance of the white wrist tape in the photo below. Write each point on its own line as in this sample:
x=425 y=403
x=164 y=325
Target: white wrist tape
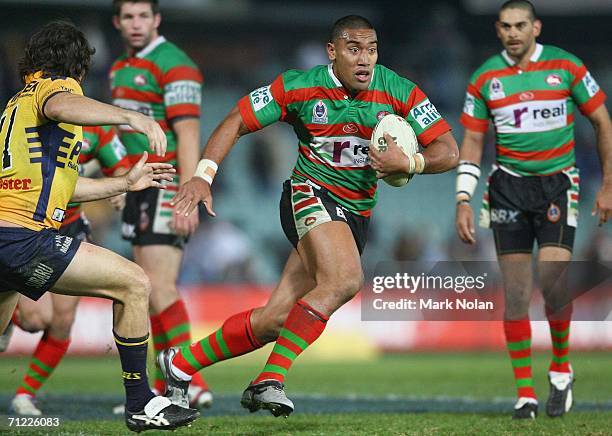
x=206 y=169
x=468 y=174
x=417 y=163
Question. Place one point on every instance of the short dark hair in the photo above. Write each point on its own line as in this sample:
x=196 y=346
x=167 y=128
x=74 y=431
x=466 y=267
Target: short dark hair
x=58 y=49
x=520 y=4
x=348 y=22
x=118 y=3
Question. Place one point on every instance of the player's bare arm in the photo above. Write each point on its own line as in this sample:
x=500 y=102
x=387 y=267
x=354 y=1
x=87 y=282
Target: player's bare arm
x=188 y=148
x=471 y=153
x=218 y=146
x=141 y=176
x=84 y=111
x=600 y=119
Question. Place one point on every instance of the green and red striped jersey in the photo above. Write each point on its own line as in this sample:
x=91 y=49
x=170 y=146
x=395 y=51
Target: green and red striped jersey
x=103 y=144
x=533 y=109
x=334 y=129
x=162 y=82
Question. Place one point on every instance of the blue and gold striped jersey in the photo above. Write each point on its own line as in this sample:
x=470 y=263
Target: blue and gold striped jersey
x=39 y=162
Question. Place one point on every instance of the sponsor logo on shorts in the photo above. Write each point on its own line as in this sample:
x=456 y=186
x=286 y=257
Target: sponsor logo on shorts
x=40 y=276
x=340 y=213
x=554 y=213
x=350 y=128
x=15 y=184
x=62 y=243
x=310 y=220
x=504 y=216
x=319 y=113
x=425 y=113
x=380 y=115
x=496 y=89
x=526 y=96
x=554 y=79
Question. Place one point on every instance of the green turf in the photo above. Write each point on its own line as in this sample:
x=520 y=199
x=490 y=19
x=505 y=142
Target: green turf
x=480 y=376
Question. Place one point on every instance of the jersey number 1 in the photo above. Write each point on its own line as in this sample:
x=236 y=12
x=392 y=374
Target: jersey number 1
x=7 y=158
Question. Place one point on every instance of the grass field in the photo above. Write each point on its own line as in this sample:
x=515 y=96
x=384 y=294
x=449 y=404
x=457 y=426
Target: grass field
x=408 y=394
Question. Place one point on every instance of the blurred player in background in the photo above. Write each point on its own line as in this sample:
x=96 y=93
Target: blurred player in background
x=529 y=92
x=159 y=80
x=325 y=206
x=41 y=133
x=55 y=313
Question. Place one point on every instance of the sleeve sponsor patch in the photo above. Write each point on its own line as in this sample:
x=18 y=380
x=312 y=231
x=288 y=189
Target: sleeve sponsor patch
x=261 y=97
x=118 y=148
x=468 y=106
x=590 y=84
x=425 y=113
x=183 y=92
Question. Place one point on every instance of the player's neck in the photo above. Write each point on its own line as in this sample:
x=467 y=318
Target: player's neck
x=523 y=61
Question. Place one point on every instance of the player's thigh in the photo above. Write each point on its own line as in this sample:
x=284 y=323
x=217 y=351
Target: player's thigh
x=36 y=315
x=98 y=272
x=330 y=255
x=8 y=302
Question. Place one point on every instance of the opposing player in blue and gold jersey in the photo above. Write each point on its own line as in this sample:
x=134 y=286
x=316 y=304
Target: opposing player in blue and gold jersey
x=40 y=139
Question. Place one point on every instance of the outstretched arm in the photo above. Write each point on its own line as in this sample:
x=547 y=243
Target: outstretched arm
x=600 y=119
x=84 y=111
x=141 y=176
x=218 y=146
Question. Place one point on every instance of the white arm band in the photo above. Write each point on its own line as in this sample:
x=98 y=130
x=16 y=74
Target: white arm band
x=468 y=174
x=206 y=169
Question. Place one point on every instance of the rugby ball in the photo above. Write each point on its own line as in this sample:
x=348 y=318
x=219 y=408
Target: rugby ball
x=404 y=136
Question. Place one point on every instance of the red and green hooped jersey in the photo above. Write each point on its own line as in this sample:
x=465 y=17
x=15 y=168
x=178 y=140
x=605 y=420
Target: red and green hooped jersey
x=103 y=144
x=162 y=82
x=532 y=110
x=334 y=129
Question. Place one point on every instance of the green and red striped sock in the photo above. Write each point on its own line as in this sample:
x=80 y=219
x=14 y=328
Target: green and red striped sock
x=559 y=324
x=234 y=338
x=303 y=326
x=159 y=344
x=518 y=341
x=46 y=357
x=176 y=326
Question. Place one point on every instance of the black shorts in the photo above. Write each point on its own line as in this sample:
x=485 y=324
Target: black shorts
x=304 y=206
x=147 y=217
x=533 y=208
x=79 y=229
x=31 y=262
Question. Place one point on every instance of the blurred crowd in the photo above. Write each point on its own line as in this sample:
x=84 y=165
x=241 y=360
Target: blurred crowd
x=245 y=242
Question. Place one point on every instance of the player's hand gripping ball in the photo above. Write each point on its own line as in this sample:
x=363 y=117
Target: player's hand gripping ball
x=405 y=138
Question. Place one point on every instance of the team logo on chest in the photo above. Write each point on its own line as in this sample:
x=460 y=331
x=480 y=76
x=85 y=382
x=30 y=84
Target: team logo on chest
x=554 y=79
x=350 y=128
x=319 y=113
x=380 y=115
x=140 y=80
x=496 y=90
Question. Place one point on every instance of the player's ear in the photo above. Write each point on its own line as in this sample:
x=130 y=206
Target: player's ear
x=537 y=28
x=116 y=22
x=331 y=51
x=497 y=28
x=157 y=20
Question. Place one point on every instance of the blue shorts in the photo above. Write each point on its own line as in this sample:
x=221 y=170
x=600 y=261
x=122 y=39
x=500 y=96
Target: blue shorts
x=31 y=262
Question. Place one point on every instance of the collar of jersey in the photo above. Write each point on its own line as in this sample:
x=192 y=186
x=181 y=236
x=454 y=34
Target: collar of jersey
x=330 y=71
x=149 y=48
x=534 y=57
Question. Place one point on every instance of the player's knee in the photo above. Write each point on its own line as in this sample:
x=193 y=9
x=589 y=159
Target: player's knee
x=346 y=285
x=33 y=322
